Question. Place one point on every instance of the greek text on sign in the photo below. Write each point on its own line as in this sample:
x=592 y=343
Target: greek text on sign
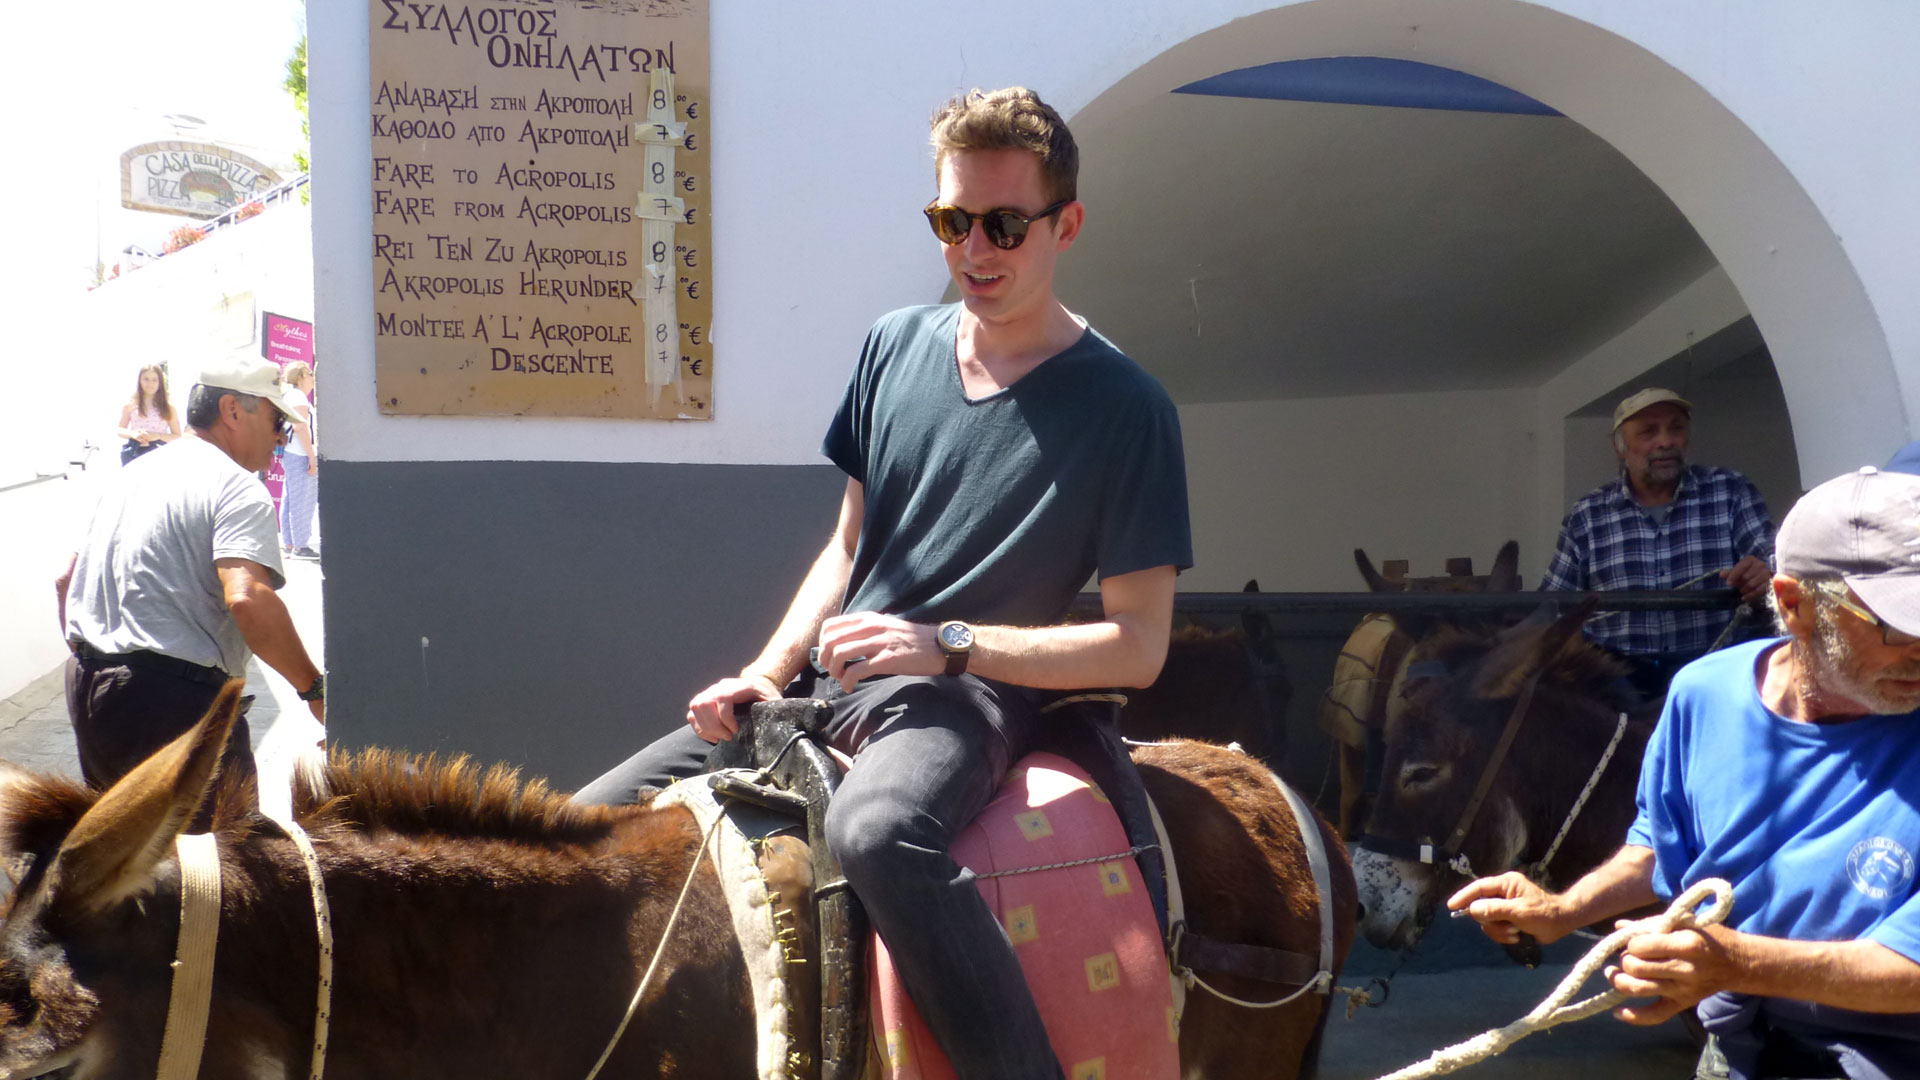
x=540 y=228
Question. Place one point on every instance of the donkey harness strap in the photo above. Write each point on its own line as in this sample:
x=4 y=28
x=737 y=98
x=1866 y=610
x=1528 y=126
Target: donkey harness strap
x=192 y=994
x=1303 y=816
x=1500 y=748
x=1309 y=974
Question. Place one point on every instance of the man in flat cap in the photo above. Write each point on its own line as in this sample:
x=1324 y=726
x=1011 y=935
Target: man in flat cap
x=1662 y=524
x=173 y=587
x=1791 y=768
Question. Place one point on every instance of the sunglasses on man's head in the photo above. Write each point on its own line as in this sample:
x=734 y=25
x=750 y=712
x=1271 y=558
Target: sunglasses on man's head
x=1004 y=228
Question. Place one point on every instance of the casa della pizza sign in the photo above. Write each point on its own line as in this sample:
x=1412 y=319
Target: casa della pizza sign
x=195 y=179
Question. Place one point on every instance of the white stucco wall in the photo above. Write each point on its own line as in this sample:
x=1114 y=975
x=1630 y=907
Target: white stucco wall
x=1283 y=491
x=1782 y=129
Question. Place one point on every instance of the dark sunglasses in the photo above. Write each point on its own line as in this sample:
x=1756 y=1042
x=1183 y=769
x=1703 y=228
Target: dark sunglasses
x=1005 y=228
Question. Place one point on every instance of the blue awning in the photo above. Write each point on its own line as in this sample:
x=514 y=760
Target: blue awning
x=1369 y=80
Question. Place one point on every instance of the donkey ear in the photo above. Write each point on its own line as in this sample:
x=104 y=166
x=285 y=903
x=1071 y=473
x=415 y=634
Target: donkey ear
x=1505 y=576
x=1522 y=658
x=1375 y=583
x=111 y=853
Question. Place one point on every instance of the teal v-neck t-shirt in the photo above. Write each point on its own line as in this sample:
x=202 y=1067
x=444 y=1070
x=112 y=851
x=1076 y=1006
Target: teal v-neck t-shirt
x=999 y=509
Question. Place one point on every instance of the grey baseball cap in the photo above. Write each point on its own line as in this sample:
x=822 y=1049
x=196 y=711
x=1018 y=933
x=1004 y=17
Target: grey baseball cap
x=1863 y=527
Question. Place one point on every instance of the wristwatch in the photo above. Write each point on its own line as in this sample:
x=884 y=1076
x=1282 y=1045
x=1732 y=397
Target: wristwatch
x=956 y=640
x=316 y=692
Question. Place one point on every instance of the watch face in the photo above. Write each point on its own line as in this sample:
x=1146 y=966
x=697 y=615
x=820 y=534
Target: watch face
x=956 y=635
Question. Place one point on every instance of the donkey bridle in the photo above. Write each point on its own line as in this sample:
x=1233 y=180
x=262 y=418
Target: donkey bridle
x=191 y=996
x=1448 y=853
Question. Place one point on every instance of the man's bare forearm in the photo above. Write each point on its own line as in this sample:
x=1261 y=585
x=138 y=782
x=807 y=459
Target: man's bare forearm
x=60 y=584
x=268 y=628
x=1619 y=885
x=1864 y=976
x=1114 y=652
x=819 y=597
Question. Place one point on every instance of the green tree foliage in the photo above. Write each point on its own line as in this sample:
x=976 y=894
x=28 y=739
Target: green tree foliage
x=296 y=85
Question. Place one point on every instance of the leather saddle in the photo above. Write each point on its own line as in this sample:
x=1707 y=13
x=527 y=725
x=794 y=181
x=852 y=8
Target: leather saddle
x=783 y=741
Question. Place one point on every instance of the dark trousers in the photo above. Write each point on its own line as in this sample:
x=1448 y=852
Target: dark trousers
x=1651 y=672
x=930 y=753
x=122 y=712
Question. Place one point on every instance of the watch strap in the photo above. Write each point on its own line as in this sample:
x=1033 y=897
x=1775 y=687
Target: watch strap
x=957 y=661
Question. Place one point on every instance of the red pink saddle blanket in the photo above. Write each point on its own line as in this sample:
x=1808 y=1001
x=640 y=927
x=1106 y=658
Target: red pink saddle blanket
x=1085 y=934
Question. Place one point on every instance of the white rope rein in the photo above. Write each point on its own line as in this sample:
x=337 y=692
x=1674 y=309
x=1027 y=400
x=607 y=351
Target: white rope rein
x=323 y=927
x=1316 y=984
x=666 y=935
x=1681 y=914
x=1539 y=869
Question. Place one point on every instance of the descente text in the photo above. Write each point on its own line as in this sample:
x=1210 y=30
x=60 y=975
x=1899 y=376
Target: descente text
x=553 y=363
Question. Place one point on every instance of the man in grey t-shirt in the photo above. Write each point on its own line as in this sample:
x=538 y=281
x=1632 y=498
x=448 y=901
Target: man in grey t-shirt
x=173 y=588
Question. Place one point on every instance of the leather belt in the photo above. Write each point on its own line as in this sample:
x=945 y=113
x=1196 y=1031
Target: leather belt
x=152 y=661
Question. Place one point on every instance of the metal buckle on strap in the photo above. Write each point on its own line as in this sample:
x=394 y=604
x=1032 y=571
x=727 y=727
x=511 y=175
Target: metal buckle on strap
x=1423 y=850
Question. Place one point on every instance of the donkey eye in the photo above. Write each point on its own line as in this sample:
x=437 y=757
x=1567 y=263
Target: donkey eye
x=1418 y=775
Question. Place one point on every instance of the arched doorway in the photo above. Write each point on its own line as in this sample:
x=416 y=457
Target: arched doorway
x=1230 y=230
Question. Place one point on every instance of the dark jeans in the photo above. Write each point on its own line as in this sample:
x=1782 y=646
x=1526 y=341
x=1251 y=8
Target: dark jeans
x=132 y=449
x=931 y=751
x=123 y=712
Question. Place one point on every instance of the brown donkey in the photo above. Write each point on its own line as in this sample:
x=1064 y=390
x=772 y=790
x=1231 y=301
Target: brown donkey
x=485 y=927
x=1466 y=690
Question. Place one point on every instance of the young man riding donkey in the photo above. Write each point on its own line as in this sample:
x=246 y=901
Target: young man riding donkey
x=998 y=453
x=1791 y=768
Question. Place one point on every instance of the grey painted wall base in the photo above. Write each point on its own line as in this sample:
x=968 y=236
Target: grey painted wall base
x=554 y=615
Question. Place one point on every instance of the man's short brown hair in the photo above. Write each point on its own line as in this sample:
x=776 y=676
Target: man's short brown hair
x=1010 y=119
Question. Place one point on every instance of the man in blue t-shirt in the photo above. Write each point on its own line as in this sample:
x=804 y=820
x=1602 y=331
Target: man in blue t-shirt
x=1791 y=768
x=999 y=453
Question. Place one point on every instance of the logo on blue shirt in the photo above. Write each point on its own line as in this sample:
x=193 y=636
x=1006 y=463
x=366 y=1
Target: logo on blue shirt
x=1880 y=868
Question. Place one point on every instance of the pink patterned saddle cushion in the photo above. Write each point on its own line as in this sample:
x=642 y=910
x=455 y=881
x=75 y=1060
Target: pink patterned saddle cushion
x=1084 y=933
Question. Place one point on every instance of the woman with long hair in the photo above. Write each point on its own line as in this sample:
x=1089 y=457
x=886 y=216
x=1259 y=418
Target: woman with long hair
x=147 y=419
x=301 y=495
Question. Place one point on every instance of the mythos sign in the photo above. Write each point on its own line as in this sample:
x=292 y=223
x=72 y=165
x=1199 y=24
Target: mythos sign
x=195 y=179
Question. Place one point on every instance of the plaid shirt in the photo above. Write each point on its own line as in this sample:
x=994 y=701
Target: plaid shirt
x=1608 y=541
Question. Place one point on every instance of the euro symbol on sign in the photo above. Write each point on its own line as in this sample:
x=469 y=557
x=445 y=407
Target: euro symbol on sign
x=693 y=290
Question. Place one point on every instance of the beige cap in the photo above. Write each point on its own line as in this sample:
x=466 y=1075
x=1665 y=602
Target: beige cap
x=1646 y=399
x=243 y=373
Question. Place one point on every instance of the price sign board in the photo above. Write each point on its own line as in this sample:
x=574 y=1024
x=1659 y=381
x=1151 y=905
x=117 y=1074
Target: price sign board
x=541 y=243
